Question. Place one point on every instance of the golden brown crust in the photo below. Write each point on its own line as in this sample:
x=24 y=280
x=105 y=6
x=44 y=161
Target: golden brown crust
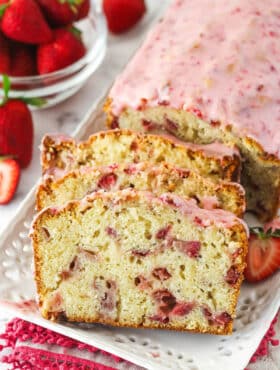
x=215 y=330
x=50 y=157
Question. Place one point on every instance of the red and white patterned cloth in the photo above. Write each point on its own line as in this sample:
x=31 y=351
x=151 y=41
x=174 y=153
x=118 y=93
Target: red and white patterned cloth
x=31 y=347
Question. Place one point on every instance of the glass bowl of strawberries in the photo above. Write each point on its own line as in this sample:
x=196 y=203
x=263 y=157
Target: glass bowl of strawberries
x=51 y=51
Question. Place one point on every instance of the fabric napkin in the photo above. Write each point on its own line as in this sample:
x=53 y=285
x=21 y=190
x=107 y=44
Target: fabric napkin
x=28 y=346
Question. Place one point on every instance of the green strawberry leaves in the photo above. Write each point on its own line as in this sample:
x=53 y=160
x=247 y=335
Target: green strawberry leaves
x=259 y=231
x=3 y=8
x=76 y=32
x=6 y=88
x=73 y=4
x=37 y=102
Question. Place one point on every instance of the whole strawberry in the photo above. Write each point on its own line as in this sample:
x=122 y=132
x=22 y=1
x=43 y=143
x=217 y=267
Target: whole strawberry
x=123 y=14
x=22 y=20
x=23 y=60
x=83 y=10
x=65 y=49
x=5 y=59
x=9 y=179
x=59 y=12
x=16 y=127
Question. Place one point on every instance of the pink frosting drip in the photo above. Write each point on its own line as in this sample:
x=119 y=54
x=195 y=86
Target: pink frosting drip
x=216 y=148
x=187 y=207
x=221 y=58
x=200 y=216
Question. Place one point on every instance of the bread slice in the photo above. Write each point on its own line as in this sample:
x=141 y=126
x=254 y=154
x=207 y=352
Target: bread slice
x=60 y=154
x=159 y=179
x=211 y=81
x=260 y=173
x=129 y=258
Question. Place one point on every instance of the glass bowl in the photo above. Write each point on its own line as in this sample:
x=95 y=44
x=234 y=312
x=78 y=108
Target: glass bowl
x=57 y=86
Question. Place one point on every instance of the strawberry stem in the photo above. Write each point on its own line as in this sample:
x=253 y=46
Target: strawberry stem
x=35 y=102
x=76 y=32
x=259 y=231
x=3 y=8
x=73 y=4
x=4 y=157
x=6 y=88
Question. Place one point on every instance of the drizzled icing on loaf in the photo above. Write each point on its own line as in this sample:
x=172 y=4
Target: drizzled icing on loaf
x=219 y=58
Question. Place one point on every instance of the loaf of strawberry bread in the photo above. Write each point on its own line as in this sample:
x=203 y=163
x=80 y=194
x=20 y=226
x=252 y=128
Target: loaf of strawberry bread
x=158 y=179
x=61 y=154
x=131 y=258
x=210 y=70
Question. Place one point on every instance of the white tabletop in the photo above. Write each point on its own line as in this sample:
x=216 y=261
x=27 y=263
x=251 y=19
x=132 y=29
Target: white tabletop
x=65 y=117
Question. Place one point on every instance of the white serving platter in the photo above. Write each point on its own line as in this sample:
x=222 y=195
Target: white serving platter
x=152 y=349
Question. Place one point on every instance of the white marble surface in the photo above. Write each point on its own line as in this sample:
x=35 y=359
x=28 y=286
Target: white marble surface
x=65 y=117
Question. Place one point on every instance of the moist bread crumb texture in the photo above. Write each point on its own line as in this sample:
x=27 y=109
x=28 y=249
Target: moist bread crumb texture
x=60 y=155
x=159 y=179
x=130 y=258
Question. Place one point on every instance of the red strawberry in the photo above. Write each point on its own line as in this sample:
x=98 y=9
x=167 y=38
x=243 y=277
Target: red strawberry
x=263 y=257
x=23 y=61
x=60 y=12
x=64 y=50
x=5 y=59
x=22 y=20
x=123 y=14
x=83 y=10
x=16 y=127
x=9 y=179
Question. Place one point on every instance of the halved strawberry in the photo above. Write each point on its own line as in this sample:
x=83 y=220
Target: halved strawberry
x=9 y=179
x=263 y=257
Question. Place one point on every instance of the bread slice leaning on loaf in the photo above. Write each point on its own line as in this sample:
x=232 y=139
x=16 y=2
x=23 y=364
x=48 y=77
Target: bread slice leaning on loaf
x=130 y=258
x=202 y=78
x=159 y=179
x=63 y=154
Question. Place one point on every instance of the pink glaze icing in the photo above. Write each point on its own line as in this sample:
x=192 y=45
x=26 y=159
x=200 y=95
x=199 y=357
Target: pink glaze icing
x=221 y=58
x=216 y=148
x=58 y=138
x=209 y=202
x=187 y=207
x=200 y=216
